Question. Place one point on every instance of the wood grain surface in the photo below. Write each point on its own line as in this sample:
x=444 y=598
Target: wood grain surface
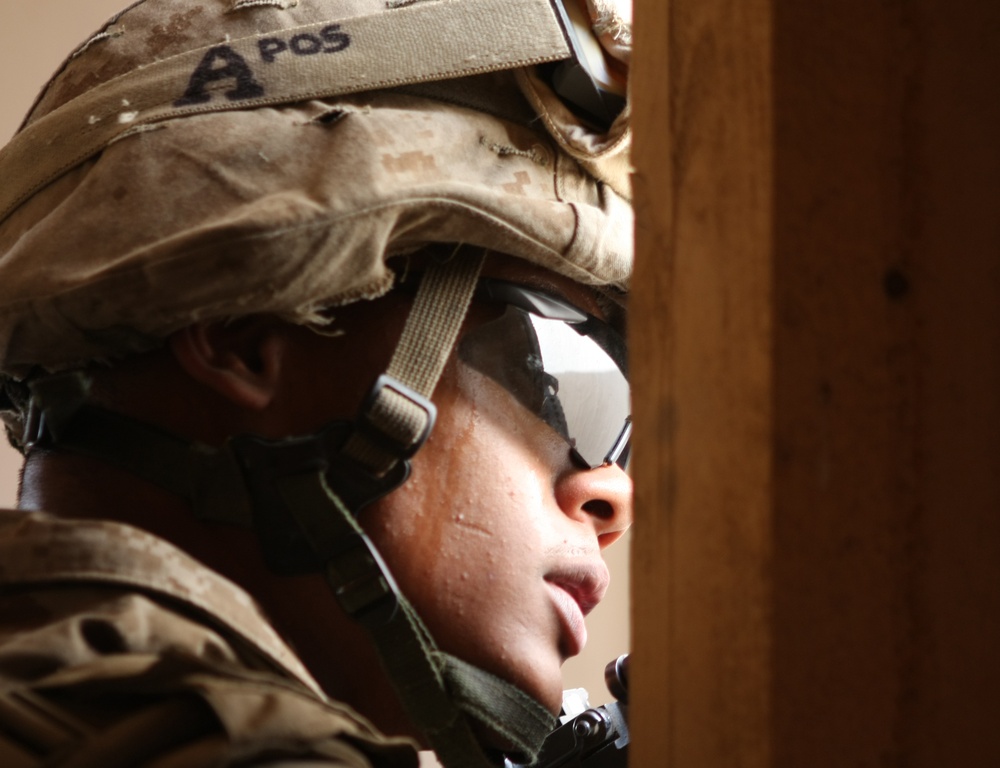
x=816 y=336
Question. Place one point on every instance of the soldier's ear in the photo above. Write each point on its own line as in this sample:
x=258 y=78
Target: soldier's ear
x=241 y=360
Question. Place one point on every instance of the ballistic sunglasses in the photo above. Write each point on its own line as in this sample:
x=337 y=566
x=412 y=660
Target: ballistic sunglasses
x=565 y=366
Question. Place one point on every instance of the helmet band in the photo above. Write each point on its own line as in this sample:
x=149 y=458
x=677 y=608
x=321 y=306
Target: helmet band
x=283 y=67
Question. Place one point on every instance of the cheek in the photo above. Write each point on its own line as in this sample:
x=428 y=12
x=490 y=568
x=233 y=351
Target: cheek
x=466 y=528
x=467 y=536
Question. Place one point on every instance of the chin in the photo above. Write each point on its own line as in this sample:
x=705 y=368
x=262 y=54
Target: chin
x=553 y=696
x=533 y=669
x=540 y=680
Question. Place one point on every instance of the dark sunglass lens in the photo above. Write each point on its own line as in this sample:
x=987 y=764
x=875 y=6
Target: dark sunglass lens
x=563 y=374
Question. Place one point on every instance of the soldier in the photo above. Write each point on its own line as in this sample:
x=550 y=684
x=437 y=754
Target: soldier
x=311 y=324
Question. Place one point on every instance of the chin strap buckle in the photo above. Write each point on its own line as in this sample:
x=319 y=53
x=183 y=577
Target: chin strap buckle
x=34 y=426
x=362 y=583
x=55 y=400
x=396 y=418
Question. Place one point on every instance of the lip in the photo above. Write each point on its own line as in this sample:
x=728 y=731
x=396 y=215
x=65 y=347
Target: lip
x=575 y=591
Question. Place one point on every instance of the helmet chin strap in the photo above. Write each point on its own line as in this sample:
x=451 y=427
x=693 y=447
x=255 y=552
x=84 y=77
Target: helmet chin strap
x=302 y=495
x=396 y=420
x=398 y=415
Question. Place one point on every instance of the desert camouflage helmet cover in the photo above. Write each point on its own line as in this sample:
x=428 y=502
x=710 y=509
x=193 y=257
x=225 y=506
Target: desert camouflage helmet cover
x=203 y=159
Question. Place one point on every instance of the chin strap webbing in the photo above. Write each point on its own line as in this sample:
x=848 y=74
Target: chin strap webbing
x=398 y=415
x=518 y=719
x=434 y=688
x=440 y=693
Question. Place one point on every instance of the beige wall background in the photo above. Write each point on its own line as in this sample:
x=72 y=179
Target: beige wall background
x=35 y=38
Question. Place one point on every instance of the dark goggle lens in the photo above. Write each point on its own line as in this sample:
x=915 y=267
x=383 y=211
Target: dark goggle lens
x=570 y=375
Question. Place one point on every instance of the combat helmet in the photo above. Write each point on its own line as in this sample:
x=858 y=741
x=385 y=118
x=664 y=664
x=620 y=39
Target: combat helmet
x=270 y=156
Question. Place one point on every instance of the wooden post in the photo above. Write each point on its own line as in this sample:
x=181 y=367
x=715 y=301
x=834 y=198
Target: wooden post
x=816 y=346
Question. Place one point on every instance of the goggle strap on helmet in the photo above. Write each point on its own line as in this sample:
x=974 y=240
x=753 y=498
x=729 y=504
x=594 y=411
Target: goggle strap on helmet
x=398 y=415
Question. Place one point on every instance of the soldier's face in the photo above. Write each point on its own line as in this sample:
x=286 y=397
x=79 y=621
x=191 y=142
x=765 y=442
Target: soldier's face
x=497 y=536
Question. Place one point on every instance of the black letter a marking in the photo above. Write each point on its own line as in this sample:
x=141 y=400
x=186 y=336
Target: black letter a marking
x=235 y=69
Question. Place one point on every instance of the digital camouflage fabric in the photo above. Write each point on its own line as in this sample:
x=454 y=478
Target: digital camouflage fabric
x=117 y=649
x=217 y=189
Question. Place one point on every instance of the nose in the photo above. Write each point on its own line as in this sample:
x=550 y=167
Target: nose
x=601 y=497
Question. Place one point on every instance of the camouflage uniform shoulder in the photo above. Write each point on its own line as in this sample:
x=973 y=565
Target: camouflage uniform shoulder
x=116 y=649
